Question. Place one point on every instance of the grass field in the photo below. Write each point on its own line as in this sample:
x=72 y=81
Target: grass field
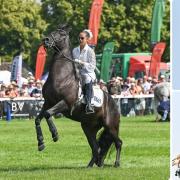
x=145 y=153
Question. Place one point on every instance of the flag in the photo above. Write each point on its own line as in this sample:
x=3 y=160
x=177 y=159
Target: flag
x=157 y=17
x=40 y=62
x=156 y=59
x=94 y=20
x=16 y=69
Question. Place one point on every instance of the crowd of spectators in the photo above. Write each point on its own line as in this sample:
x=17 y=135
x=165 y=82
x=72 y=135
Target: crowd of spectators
x=131 y=87
x=116 y=86
x=29 y=88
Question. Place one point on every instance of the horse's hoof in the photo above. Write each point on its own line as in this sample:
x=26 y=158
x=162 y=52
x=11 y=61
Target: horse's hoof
x=89 y=166
x=41 y=147
x=56 y=138
x=100 y=165
x=116 y=164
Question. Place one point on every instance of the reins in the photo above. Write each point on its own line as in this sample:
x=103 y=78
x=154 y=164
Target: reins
x=61 y=52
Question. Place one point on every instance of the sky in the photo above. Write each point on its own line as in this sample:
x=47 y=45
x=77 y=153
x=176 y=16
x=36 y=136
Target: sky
x=175 y=45
x=175 y=93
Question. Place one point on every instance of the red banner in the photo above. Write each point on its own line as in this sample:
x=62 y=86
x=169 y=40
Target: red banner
x=40 y=62
x=156 y=59
x=94 y=20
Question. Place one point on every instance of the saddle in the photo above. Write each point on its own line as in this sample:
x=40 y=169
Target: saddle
x=96 y=100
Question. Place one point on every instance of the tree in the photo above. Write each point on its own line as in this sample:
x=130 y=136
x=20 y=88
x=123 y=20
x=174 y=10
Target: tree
x=21 y=28
x=126 y=22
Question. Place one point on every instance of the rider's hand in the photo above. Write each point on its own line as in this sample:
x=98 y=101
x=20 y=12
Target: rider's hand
x=77 y=60
x=80 y=62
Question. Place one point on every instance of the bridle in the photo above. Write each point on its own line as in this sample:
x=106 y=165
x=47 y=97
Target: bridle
x=53 y=44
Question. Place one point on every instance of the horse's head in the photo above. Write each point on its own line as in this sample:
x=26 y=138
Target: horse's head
x=57 y=38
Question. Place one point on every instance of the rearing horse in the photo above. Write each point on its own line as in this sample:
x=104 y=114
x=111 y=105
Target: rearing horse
x=60 y=93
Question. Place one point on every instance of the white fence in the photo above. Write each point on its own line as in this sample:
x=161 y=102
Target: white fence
x=30 y=106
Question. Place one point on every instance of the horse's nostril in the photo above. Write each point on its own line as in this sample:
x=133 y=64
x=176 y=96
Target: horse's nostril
x=46 y=39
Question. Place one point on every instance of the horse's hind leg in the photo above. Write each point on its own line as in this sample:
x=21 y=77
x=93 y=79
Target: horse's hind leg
x=118 y=145
x=39 y=131
x=59 y=107
x=105 y=141
x=90 y=133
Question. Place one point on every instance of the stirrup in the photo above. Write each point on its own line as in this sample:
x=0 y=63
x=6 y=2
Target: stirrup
x=89 y=110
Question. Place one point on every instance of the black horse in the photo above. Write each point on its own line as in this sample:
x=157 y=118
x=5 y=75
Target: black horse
x=60 y=93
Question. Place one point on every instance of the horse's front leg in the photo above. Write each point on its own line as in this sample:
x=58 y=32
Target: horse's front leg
x=39 y=131
x=58 y=108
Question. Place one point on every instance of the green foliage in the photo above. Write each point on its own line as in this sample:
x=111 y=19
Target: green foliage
x=21 y=28
x=128 y=23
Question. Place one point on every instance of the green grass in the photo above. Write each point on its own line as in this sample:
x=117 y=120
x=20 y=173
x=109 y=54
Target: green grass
x=145 y=152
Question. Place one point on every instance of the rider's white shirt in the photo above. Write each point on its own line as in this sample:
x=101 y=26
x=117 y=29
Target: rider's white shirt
x=87 y=55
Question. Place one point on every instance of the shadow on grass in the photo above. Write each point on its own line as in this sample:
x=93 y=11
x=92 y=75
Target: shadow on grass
x=40 y=168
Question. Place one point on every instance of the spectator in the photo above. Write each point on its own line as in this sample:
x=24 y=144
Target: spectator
x=102 y=85
x=37 y=91
x=3 y=91
x=124 y=101
x=10 y=92
x=140 y=102
x=128 y=81
x=31 y=86
x=15 y=87
x=146 y=85
x=133 y=90
x=139 y=86
x=162 y=78
x=115 y=87
x=24 y=90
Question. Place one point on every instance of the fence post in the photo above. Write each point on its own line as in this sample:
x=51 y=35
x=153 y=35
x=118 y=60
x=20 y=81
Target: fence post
x=8 y=111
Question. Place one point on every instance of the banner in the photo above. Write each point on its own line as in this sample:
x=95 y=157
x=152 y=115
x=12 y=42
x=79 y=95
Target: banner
x=22 y=108
x=157 y=18
x=16 y=69
x=94 y=20
x=40 y=62
x=156 y=59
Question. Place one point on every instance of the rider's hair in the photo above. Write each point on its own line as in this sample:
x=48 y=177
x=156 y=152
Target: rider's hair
x=88 y=33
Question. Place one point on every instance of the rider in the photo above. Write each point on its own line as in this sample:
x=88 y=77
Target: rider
x=85 y=56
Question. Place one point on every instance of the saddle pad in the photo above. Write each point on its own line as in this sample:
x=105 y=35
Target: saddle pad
x=97 y=99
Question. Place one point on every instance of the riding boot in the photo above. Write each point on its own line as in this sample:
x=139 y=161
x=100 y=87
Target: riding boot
x=88 y=95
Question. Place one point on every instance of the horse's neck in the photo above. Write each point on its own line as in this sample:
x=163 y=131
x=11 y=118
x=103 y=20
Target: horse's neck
x=61 y=60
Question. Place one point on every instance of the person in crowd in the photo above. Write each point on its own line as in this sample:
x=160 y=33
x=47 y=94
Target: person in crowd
x=124 y=102
x=162 y=78
x=132 y=89
x=115 y=86
x=10 y=92
x=31 y=86
x=102 y=85
x=133 y=92
x=154 y=83
x=37 y=91
x=146 y=90
x=85 y=56
x=128 y=81
x=15 y=87
x=140 y=102
x=139 y=87
x=30 y=76
x=3 y=91
x=24 y=90
x=146 y=85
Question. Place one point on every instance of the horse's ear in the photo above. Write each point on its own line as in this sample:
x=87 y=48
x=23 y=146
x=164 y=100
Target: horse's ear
x=68 y=29
x=62 y=26
x=65 y=27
